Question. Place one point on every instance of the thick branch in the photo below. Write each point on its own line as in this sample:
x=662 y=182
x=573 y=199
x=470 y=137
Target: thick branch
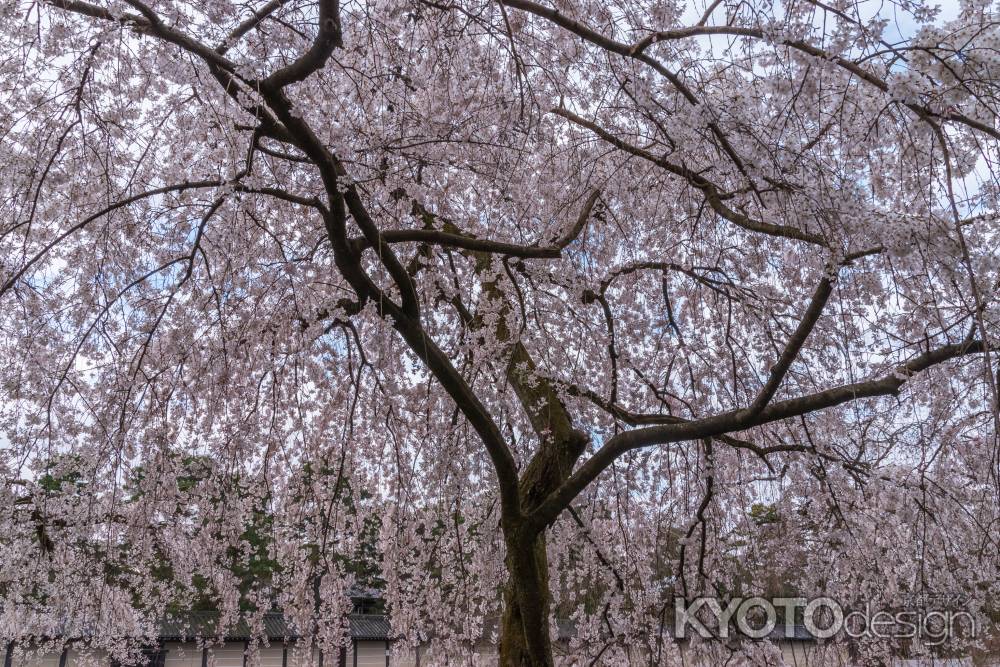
x=794 y=344
x=561 y=444
x=466 y=242
x=328 y=38
x=248 y=25
x=346 y=200
x=741 y=419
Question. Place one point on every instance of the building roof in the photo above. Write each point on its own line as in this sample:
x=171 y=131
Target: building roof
x=192 y=625
x=369 y=626
x=798 y=633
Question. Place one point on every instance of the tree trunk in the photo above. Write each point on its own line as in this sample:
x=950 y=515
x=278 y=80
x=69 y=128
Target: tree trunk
x=524 y=627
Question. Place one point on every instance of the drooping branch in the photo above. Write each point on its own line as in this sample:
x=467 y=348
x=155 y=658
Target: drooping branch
x=344 y=199
x=853 y=68
x=179 y=187
x=624 y=50
x=147 y=21
x=223 y=70
x=725 y=287
x=638 y=50
x=404 y=318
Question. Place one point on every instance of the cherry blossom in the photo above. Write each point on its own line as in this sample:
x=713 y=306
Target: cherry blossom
x=532 y=315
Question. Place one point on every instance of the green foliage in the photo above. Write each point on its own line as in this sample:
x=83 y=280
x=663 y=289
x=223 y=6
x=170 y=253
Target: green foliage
x=59 y=471
x=763 y=514
x=258 y=570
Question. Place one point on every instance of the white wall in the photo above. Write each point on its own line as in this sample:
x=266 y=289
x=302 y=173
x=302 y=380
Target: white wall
x=86 y=658
x=370 y=654
x=265 y=656
x=181 y=655
x=301 y=657
x=404 y=656
x=228 y=655
x=231 y=655
x=32 y=659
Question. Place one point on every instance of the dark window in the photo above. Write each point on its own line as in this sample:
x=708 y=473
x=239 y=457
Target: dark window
x=369 y=606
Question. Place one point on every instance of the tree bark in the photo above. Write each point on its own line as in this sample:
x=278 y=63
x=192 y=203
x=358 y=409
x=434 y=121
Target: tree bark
x=525 y=640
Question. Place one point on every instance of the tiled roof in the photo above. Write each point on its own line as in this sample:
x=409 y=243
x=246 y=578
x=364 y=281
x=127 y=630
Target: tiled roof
x=797 y=633
x=369 y=626
x=197 y=624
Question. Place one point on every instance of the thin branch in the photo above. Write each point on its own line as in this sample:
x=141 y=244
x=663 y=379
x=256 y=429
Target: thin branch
x=277 y=193
x=713 y=195
x=248 y=25
x=625 y=50
x=187 y=185
x=454 y=239
x=147 y=21
x=639 y=48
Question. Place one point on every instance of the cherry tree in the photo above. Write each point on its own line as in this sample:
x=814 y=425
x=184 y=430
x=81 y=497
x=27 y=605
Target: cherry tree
x=555 y=294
